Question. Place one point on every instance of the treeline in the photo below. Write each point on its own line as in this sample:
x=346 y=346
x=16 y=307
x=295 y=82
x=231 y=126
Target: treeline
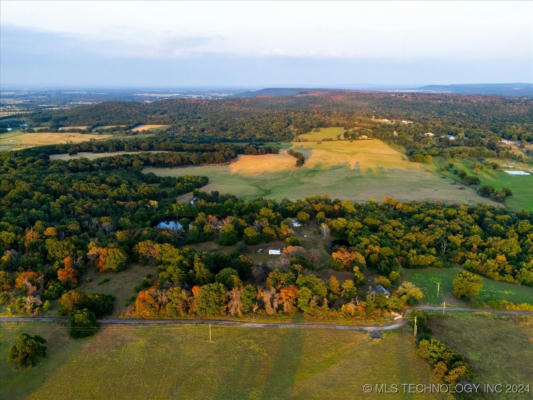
x=484 y=190
x=300 y=159
x=207 y=285
x=448 y=365
x=159 y=143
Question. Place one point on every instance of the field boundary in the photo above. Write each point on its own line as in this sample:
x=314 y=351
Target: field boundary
x=248 y=324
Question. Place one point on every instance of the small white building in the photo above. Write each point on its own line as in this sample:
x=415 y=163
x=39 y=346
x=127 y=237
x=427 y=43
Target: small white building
x=295 y=223
x=429 y=134
x=274 y=252
x=451 y=137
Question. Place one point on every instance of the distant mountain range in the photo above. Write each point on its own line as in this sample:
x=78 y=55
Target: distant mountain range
x=499 y=89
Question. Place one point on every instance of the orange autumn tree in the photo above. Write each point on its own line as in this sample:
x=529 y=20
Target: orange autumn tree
x=145 y=305
x=29 y=280
x=345 y=259
x=98 y=256
x=30 y=237
x=68 y=273
x=288 y=296
x=107 y=259
x=147 y=251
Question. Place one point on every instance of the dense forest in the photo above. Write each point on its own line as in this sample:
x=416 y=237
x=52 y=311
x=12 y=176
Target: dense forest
x=61 y=218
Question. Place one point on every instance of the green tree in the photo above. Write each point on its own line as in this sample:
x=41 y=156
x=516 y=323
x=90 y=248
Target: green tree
x=304 y=299
x=116 y=259
x=211 y=300
x=349 y=291
x=228 y=235
x=248 y=298
x=251 y=235
x=26 y=351
x=466 y=285
x=409 y=293
x=82 y=323
x=229 y=278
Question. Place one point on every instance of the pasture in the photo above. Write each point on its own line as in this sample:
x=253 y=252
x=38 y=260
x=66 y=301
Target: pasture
x=427 y=278
x=357 y=170
x=499 y=349
x=331 y=133
x=337 y=182
x=520 y=185
x=179 y=362
x=20 y=140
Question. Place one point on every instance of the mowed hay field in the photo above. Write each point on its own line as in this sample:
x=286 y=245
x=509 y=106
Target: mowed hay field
x=499 y=349
x=78 y=127
x=359 y=154
x=148 y=127
x=21 y=140
x=253 y=165
x=179 y=362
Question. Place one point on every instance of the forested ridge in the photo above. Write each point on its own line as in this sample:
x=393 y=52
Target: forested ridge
x=280 y=118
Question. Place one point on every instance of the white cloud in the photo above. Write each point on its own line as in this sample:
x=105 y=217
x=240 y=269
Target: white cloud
x=401 y=30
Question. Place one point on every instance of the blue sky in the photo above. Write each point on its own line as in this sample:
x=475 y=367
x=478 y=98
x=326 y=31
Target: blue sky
x=264 y=43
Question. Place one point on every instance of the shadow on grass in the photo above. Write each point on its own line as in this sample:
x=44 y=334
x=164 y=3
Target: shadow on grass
x=280 y=381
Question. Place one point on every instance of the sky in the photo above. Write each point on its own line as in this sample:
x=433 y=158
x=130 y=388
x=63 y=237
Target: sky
x=261 y=43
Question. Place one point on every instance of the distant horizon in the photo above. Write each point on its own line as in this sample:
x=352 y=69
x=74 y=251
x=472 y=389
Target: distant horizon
x=355 y=86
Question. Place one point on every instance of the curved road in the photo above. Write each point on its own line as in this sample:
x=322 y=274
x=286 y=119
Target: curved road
x=364 y=328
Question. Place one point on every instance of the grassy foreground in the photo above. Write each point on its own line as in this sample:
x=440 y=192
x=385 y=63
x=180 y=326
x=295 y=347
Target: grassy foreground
x=499 y=349
x=179 y=362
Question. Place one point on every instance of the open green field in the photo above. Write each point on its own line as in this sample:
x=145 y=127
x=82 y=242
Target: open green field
x=499 y=349
x=357 y=170
x=20 y=140
x=179 y=362
x=427 y=279
x=339 y=182
x=520 y=185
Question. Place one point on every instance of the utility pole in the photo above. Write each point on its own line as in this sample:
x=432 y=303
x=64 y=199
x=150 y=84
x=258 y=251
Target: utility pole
x=415 y=329
x=443 y=307
x=438 y=289
x=210 y=337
